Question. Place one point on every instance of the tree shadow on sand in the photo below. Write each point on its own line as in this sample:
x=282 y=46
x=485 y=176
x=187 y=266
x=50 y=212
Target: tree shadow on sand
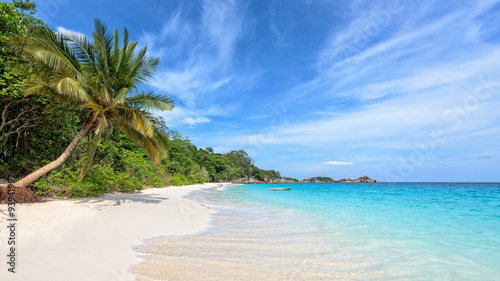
x=120 y=198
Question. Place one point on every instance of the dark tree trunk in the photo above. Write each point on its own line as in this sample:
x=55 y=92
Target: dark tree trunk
x=28 y=195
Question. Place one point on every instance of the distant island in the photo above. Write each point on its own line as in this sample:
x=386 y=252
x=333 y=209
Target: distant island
x=363 y=179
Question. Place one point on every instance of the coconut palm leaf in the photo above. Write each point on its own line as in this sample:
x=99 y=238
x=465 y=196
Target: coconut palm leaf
x=82 y=47
x=150 y=101
x=154 y=149
x=87 y=156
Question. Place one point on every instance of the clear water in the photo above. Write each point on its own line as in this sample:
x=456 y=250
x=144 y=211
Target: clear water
x=384 y=231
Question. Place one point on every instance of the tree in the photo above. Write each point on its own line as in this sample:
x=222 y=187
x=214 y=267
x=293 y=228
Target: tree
x=18 y=113
x=99 y=80
x=241 y=160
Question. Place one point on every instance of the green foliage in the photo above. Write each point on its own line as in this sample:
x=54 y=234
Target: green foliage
x=25 y=5
x=13 y=22
x=265 y=175
x=40 y=139
x=120 y=166
x=205 y=165
x=38 y=128
x=290 y=179
x=321 y=179
x=180 y=179
x=23 y=121
x=100 y=179
x=99 y=79
x=137 y=165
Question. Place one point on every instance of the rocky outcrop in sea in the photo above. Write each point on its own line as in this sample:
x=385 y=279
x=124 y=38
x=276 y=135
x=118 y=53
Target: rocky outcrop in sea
x=363 y=179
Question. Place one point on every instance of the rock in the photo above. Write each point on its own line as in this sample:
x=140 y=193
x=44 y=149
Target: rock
x=318 y=180
x=363 y=179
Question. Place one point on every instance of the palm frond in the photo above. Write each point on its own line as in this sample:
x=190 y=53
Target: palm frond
x=87 y=155
x=121 y=95
x=117 y=51
x=116 y=46
x=139 y=119
x=65 y=83
x=103 y=124
x=146 y=69
x=151 y=101
x=33 y=87
x=109 y=132
x=142 y=67
x=92 y=106
x=123 y=65
x=161 y=137
x=52 y=51
x=82 y=48
x=102 y=44
x=57 y=107
x=155 y=149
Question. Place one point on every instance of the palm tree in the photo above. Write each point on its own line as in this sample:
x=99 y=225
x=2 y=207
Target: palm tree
x=101 y=81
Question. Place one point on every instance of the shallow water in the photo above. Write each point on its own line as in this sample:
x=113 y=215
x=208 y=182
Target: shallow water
x=337 y=232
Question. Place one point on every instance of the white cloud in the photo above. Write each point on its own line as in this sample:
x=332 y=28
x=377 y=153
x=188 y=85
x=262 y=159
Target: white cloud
x=382 y=67
x=421 y=81
x=198 y=55
x=280 y=36
x=182 y=116
x=195 y=121
x=64 y=31
x=338 y=163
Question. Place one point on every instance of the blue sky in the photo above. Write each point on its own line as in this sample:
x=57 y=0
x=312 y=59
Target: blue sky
x=396 y=90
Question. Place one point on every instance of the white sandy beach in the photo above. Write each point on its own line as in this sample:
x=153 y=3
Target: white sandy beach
x=92 y=239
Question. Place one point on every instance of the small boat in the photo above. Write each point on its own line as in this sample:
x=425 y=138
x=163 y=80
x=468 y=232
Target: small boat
x=280 y=188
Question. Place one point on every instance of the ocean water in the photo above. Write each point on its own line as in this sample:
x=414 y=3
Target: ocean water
x=383 y=231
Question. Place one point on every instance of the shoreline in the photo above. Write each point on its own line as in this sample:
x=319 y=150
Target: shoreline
x=259 y=235
x=94 y=238
x=244 y=242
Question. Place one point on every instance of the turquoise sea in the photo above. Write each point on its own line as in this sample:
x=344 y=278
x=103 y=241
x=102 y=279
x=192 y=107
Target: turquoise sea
x=347 y=231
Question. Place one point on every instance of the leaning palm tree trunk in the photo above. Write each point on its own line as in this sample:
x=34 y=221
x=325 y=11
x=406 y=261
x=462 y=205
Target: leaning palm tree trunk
x=20 y=186
x=56 y=163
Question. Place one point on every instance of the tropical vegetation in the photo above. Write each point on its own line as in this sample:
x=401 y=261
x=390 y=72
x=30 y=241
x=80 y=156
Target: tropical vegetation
x=76 y=116
x=319 y=179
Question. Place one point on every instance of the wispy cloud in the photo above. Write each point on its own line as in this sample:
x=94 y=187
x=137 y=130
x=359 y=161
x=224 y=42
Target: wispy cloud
x=198 y=55
x=485 y=156
x=183 y=116
x=338 y=163
x=64 y=31
x=404 y=47
x=280 y=36
x=397 y=89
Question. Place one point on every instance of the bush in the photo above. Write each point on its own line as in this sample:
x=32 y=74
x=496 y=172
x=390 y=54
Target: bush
x=100 y=179
x=178 y=179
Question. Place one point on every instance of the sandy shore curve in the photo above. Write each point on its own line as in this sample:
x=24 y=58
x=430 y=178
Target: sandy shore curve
x=92 y=239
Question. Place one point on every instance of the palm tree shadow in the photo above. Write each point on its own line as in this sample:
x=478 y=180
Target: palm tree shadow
x=121 y=198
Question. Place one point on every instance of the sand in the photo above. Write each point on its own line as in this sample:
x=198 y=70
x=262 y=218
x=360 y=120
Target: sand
x=92 y=239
